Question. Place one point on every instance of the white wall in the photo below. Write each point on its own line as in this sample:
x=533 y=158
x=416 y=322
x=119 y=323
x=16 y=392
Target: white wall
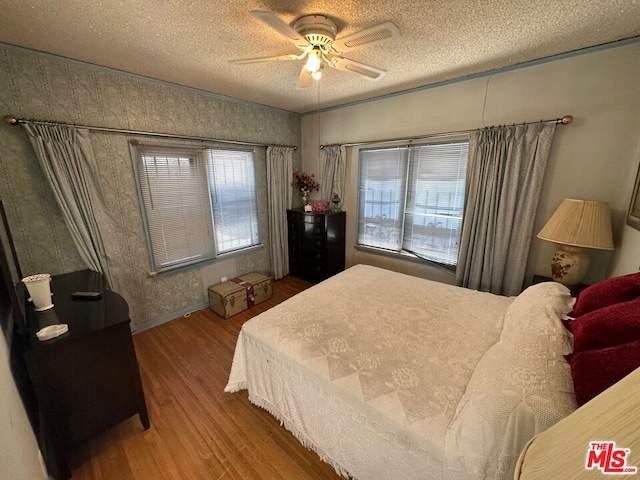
x=18 y=448
x=593 y=158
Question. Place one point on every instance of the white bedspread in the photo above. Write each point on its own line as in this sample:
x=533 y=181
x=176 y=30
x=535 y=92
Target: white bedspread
x=369 y=367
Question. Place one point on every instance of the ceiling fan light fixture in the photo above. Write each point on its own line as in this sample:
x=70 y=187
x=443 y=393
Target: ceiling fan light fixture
x=315 y=37
x=317 y=29
x=313 y=62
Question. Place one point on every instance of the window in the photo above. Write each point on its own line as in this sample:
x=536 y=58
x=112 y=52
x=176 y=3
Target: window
x=411 y=199
x=197 y=202
x=233 y=198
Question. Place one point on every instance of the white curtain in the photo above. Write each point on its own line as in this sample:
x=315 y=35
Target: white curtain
x=504 y=179
x=280 y=198
x=66 y=157
x=333 y=172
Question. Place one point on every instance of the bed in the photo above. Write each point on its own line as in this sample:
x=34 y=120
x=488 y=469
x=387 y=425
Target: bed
x=389 y=376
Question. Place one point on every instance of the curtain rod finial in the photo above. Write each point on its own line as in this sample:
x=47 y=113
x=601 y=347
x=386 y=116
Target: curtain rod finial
x=566 y=120
x=9 y=120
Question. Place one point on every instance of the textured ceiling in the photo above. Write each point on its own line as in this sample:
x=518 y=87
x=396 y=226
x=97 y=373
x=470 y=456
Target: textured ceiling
x=189 y=42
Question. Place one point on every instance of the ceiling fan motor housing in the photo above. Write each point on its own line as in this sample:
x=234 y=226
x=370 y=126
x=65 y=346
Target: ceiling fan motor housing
x=317 y=29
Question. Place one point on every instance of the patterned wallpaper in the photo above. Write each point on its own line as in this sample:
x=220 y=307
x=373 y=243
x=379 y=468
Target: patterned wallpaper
x=34 y=85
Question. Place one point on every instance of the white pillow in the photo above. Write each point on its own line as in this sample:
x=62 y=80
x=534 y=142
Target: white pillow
x=538 y=310
x=520 y=387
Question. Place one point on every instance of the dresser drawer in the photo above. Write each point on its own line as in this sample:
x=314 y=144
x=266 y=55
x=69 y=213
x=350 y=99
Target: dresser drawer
x=313 y=218
x=292 y=230
x=292 y=222
x=313 y=255
x=314 y=242
x=294 y=263
x=313 y=229
x=313 y=268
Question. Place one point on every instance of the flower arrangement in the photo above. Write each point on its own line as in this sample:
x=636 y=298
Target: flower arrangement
x=305 y=183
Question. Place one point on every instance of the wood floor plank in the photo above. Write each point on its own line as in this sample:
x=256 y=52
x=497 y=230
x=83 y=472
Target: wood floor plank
x=198 y=432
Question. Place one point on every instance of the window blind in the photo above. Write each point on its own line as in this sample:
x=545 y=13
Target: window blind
x=435 y=201
x=412 y=199
x=233 y=199
x=174 y=190
x=382 y=189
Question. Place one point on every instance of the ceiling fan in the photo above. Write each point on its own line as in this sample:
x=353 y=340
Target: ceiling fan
x=315 y=37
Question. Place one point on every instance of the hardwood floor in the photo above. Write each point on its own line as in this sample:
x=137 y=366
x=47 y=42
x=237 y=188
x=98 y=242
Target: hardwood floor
x=198 y=431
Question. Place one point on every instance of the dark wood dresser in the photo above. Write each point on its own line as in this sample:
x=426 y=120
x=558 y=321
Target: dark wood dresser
x=87 y=380
x=316 y=243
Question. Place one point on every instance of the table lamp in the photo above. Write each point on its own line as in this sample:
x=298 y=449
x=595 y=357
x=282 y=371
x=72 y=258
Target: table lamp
x=576 y=225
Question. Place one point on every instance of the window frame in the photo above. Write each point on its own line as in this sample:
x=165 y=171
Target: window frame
x=137 y=150
x=408 y=183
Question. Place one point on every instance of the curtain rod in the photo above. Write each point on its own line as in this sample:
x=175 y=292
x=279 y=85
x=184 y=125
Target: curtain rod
x=9 y=120
x=565 y=120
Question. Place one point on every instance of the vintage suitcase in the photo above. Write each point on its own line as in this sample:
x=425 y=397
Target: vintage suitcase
x=227 y=299
x=260 y=286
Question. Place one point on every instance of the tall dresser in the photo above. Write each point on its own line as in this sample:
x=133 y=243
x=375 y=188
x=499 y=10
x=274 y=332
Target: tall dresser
x=316 y=243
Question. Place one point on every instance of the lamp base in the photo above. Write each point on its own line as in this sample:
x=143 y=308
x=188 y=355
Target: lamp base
x=569 y=265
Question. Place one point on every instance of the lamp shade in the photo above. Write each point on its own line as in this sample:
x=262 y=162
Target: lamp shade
x=580 y=223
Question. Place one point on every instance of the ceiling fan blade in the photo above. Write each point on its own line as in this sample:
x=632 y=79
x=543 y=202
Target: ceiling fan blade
x=305 y=78
x=377 y=33
x=241 y=61
x=273 y=21
x=367 y=71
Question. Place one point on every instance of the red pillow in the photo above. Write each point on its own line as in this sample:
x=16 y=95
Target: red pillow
x=607 y=292
x=606 y=327
x=596 y=370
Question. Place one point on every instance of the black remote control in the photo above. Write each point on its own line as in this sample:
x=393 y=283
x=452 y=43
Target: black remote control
x=86 y=295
